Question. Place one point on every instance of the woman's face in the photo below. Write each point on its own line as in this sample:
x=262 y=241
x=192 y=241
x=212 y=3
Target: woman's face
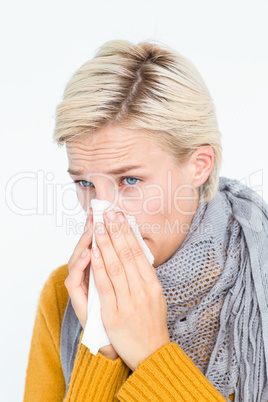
x=135 y=174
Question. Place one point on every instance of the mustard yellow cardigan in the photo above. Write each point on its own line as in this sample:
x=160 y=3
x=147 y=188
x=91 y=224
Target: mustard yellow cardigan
x=166 y=375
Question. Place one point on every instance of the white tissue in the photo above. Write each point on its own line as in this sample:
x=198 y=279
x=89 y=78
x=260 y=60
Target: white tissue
x=95 y=336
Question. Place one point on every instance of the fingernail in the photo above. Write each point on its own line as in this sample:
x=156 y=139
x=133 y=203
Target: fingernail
x=86 y=228
x=121 y=217
x=85 y=252
x=100 y=228
x=111 y=215
x=90 y=211
x=96 y=252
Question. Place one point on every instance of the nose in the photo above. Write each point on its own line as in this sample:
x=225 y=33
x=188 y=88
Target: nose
x=106 y=191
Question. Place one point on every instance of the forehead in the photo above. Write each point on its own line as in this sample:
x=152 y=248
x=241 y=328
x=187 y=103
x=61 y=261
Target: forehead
x=111 y=146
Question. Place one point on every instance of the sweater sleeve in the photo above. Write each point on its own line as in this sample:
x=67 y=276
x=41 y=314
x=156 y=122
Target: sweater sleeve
x=168 y=375
x=93 y=378
x=44 y=377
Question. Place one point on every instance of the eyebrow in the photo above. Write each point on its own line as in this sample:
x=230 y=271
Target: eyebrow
x=121 y=170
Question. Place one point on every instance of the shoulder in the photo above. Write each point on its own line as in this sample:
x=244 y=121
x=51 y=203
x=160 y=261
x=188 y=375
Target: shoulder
x=58 y=276
x=54 y=296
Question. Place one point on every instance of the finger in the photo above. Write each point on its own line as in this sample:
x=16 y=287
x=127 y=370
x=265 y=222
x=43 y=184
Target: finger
x=89 y=220
x=84 y=242
x=124 y=253
x=77 y=270
x=77 y=280
x=78 y=266
x=90 y=215
x=113 y=265
x=76 y=286
x=103 y=283
x=146 y=270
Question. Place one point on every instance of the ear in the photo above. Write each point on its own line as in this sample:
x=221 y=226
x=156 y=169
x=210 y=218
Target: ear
x=202 y=159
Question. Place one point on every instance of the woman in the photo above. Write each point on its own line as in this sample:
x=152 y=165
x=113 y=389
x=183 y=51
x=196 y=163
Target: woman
x=141 y=132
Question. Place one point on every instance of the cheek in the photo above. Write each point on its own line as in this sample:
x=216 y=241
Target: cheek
x=141 y=202
x=151 y=226
x=154 y=200
x=151 y=212
x=153 y=206
x=184 y=200
x=131 y=205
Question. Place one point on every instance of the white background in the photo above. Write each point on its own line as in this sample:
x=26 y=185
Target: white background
x=43 y=43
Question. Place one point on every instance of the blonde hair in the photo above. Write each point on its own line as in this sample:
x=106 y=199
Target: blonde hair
x=149 y=87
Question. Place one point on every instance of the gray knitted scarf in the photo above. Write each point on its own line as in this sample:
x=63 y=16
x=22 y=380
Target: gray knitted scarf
x=216 y=288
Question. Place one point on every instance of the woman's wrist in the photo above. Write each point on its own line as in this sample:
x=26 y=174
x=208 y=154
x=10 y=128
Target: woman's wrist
x=109 y=352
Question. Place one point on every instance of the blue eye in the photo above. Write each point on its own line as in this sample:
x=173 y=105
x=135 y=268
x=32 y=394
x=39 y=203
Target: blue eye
x=84 y=181
x=132 y=180
x=82 y=185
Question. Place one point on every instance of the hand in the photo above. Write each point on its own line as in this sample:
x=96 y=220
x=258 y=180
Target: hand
x=133 y=307
x=78 y=279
